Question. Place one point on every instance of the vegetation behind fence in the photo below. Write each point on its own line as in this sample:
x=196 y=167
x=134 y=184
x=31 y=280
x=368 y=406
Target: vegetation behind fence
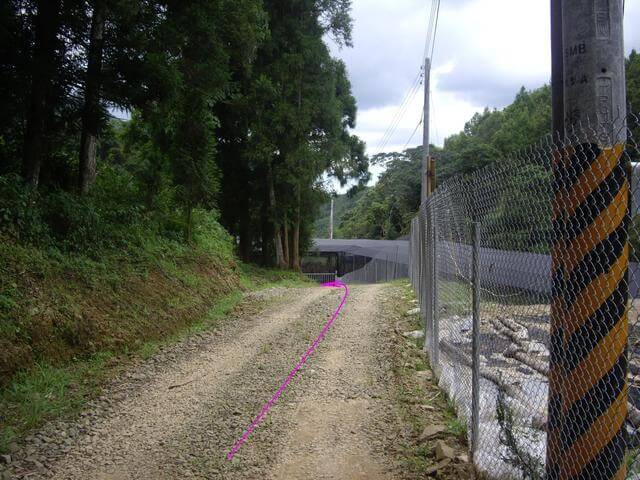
x=490 y=236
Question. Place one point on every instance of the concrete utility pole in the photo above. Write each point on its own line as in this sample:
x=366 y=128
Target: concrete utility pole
x=589 y=325
x=594 y=79
x=427 y=165
x=331 y=222
x=554 y=446
x=557 y=70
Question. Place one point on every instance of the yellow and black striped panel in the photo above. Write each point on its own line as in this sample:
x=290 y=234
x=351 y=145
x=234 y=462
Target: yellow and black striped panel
x=554 y=424
x=592 y=314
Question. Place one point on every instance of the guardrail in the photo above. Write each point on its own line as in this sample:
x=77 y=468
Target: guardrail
x=322 y=277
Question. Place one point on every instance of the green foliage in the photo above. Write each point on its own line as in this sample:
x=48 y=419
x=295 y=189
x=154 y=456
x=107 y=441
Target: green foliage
x=342 y=204
x=385 y=210
x=632 y=66
x=224 y=96
x=17 y=217
x=493 y=135
x=526 y=194
x=47 y=392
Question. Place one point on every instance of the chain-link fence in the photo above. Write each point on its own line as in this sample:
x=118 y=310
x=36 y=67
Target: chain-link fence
x=366 y=261
x=377 y=269
x=529 y=285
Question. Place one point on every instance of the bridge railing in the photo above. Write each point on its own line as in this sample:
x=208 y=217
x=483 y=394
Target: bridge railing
x=366 y=260
x=322 y=277
x=380 y=269
x=527 y=276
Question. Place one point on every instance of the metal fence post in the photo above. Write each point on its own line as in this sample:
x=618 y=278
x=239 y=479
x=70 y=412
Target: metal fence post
x=435 y=330
x=421 y=268
x=427 y=281
x=475 y=342
x=386 y=269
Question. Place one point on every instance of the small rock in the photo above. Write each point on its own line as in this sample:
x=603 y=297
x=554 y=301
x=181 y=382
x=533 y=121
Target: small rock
x=424 y=375
x=437 y=467
x=463 y=457
x=415 y=334
x=538 y=348
x=6 y=459
x=444 y=451
x=465 y=324
x=511 y=350
x=413 y=311
x=431 y=431
x=539 y=422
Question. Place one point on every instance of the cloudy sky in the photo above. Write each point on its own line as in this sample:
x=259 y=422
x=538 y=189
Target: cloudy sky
x=485 y=51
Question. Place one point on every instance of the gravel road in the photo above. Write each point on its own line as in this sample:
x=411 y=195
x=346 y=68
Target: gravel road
x=177 y=414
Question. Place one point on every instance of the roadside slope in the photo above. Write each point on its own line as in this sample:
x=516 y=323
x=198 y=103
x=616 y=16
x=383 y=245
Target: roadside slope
x=178 y=414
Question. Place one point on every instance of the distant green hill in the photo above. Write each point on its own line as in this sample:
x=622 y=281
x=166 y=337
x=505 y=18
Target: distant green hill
x=342 y=205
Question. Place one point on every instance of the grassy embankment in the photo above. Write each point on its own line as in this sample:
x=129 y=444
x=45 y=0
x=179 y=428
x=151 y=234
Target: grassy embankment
x=69 y=320
x=420 y=402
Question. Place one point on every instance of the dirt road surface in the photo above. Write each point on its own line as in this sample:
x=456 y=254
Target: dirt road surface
x=178 y=414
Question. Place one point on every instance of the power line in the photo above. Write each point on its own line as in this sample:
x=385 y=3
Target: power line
x=413 y=134
x=433 y=116
x=435 y=30
x=408 y=96
x=402 y=110
x=429 y=46
x=432 y=29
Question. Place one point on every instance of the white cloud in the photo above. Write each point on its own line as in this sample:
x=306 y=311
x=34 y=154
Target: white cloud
x=485 y=51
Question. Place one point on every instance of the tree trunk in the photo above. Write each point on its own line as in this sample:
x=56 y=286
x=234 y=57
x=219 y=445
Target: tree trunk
x=266 y=236
x=295 y=258
x=189 y=222
x=43 y=71
x=91 y=112
x=246 y=238
x=285 y=240
x=280 y=263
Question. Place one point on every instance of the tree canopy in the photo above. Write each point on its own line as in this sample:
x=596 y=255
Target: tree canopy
x=233 y=108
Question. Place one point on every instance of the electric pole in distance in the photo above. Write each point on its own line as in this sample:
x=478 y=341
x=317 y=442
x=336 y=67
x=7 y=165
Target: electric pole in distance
x=331 y=221
x=427 y=172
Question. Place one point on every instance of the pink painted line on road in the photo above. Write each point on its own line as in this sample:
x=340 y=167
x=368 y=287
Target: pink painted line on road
x=303 y=359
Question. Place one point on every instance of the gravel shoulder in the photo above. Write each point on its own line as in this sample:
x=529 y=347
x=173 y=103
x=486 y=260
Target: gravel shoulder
x=178 y=414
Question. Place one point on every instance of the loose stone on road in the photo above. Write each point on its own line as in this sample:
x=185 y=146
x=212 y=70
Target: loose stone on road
x=178 y=414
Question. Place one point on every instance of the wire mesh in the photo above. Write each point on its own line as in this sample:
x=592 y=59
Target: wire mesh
x=553 y=231
x=367 y=261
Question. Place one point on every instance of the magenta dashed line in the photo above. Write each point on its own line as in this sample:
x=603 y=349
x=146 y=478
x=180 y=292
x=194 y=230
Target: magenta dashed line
x=303 y=359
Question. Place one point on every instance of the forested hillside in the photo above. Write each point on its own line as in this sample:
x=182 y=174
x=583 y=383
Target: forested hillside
x=237 y=109
x=342 y=204
x=143 y=147
x=384 y=211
